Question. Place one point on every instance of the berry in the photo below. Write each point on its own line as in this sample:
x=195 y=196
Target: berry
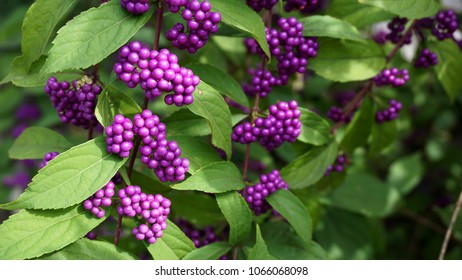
x=283 y=124
x=256 y=195
x=75 y=102
x=336 y=115
x=119 y=136
x=28 y=112
x=19 y=179
x=397 y=27
x=337 y=166
x=101 y=198
x=392 y=76
x=299 y=4
x=426 y=59
x=201 y=22
x=245 y=133
x=390 y=113
x=135 y=7
x=156 y=72
x=200 y=237
x=262 y=82
x=258 y=5
x=153 y=210
x=48 y=156
x=446 y=23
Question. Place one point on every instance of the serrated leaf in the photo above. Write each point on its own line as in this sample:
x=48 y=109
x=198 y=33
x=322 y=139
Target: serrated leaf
x=196 y=151
x=383 y=135
x=411 y=9
x=237 y=14
x=173 y=245
x=32 y=233
x=70 y=178
x=92 y=36
x=327 y=26
x=210 y=252
x=209 y=104
x=238 y=215
x=345 y=61
x=365 y=194
x=448 y=67
x=405 y=173
x=357 y=14
x=39 y=24
x=214 y=178
x=35 y=142
x=220 y=81
x=293 y=210
x=315 y=130
x=112 y=102
x=85 y=249
x=359 y=129
x=260 y=250
x=313 y=163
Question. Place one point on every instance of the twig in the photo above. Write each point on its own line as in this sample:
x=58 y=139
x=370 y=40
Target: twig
x=447 y=237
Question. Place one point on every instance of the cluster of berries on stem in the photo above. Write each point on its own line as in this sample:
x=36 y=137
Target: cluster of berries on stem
x=390 y=113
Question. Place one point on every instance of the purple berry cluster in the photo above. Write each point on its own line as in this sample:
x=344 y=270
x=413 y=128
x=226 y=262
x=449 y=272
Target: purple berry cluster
x=119 y=136
x=135 y=7
x=390 y=113
x=397 y=26
x=19 y=179
x=200 y=237
x=446 y=23
x=201 y=22
x=262 y=82
x=283 y=124
x=74 y=102
x=259 y=5
x=28 y=112
x=256 y=195
x=48 y=156
x=299 y=4
x=392 y=76
x=156 y=151
x=101 y=198
x=289 y=47
x=337 y=166
x=336 y=115
x=426 y=59
x=156 y=72
x=153 y=209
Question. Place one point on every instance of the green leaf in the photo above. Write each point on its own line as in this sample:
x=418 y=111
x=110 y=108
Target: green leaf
x=315 y=129
x=173 y=245
x=327 y=26
x=92 y=36
x=32 y=233
x=70 y=178
x=383 y=135
x=284 y=244
x=196 y=151
x=85 y=249
x=411 y=9
x=345 y=235
x=293 y=210
x=196 y=207
x=448 y=67
x=209 y=104
x=405 y=173
x=238 y=215
x=260 y=250
x=220 y=81
x=314 y=163
x=210 y=252
x=112 y=102
x=345 y=61
x=39 y=24
x=357 y=14
x=214 y=178
x=35 y=142
x=237 y=14
x=359 y=128
x=365 y=194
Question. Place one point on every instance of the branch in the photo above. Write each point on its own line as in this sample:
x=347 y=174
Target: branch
x=447 y=237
